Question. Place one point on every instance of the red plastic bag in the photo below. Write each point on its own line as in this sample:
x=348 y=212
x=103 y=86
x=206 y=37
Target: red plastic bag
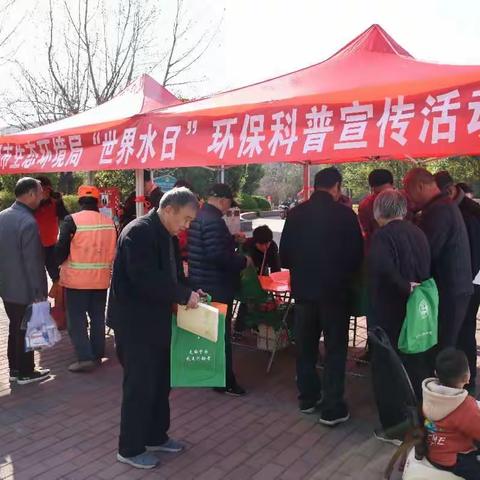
x=58 y=311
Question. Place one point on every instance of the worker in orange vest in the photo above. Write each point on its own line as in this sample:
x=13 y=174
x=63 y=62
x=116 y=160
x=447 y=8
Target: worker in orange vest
x=85 y=251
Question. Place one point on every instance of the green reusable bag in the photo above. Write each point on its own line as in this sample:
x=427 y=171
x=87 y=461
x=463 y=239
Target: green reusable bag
x=420 y=328
x=196 y=361
x=250 y=288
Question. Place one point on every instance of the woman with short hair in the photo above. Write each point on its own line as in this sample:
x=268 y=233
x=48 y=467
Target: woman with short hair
x=399 y=259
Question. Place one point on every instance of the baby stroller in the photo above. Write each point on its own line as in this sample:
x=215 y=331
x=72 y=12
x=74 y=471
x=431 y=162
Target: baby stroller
x=412 y=453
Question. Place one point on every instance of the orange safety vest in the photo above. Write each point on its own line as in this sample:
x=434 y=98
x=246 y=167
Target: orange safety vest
x=92 y=251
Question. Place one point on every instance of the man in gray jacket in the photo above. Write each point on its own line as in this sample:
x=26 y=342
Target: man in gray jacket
x=23 y=280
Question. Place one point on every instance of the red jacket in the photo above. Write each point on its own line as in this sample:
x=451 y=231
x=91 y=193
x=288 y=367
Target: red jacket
x=367 y=220
x=182 y=243
x=452 y=421
x=47 y=220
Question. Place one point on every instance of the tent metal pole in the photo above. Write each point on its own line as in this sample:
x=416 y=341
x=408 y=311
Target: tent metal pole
x=306 y=180
x=90 y=178
x=222 y=174
x=139 y=191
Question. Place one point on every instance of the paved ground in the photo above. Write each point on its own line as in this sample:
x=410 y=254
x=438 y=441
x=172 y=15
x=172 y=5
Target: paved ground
x=67 y=427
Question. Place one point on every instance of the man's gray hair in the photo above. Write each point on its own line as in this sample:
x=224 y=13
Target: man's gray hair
x=390 y=204
x=179 y=197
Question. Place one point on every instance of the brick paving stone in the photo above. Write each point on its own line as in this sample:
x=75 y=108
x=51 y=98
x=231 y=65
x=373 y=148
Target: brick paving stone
x=269 y=472
x=212 y=473
x=289 y=455
x=283 y=441
x=355 y=463
x=262 y=457
x=241 y=473
x=203 y=463
x=257 y=443
x=299 y=468
x=233 y=460
x=88 y=471
x=114 y=471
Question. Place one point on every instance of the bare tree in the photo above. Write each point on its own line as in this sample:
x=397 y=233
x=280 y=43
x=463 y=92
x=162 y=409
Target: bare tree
x=180 y=57
x=8 y=27
x=94 y=49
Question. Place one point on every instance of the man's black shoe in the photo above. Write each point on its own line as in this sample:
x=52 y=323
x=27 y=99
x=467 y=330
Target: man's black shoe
x=309 y=406
x=35 y=376
x=334 y=417
x=234 y=391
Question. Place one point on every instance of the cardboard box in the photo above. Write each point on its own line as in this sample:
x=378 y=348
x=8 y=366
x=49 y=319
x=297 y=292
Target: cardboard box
x=267 y=336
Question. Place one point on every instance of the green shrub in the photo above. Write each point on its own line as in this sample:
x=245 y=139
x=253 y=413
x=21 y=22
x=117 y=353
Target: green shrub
x=6 y=199
x=262 y=203
x=71 y=203
x=247 y=203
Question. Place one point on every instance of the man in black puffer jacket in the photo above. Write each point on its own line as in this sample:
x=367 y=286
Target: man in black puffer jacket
x=214 y=266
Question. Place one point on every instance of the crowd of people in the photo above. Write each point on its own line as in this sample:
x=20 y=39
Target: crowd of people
x=400 y=238
x=427 y=230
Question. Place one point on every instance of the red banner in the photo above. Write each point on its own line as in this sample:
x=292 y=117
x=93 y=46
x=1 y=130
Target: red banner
x=436 y=124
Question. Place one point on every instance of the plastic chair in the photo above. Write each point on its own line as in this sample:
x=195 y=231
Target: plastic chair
x=380 y=340
x=416 y=466
x=423 y=470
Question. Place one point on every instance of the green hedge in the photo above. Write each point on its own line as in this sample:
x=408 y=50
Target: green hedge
x=71 y=203
x=262 y=203
x=6 y=199
x=247 y=203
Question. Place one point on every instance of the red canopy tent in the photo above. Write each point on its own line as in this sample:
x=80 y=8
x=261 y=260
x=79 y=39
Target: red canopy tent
x=143 y=95
x=371 y=99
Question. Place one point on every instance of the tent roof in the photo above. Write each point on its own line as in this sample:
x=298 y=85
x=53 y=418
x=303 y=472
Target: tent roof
x=371 y=99
x=141 y=96
x=371 y=67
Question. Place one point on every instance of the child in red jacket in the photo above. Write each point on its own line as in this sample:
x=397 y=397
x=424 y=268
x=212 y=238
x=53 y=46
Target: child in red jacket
x=452 y=417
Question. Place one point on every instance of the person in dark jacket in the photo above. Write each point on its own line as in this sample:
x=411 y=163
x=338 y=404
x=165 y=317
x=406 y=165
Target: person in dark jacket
x=322 y=246
x=214 y=266
x=264 y=253
x=442 y=223
x=467 y=189
x=263 y=250
x=470 y=211
x=147 y=281
x=399 y=260
x=23 y=279
x=153 y=194
x=48 y=215
x=378 y=180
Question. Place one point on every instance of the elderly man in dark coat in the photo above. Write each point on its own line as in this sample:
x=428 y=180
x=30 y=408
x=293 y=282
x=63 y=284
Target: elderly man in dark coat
x=470 y=211
x=147 y=282
x=442 y=223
